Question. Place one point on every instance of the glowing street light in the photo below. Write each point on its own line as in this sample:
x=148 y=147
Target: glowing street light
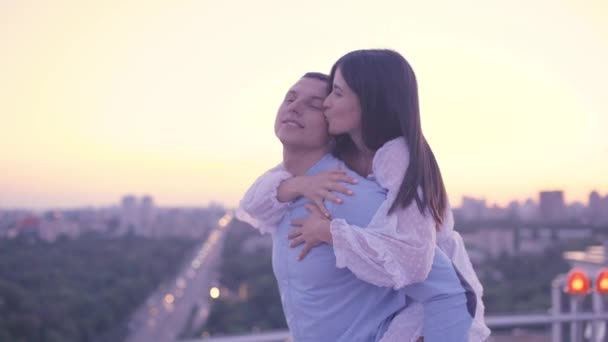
x=214 y=293
x=225 y=220
x=578 y=283
x=601 y=283
x=169 y=299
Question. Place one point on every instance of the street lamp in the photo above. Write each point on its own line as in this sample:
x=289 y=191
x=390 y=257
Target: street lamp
x=601 y=282
x=214 y=293
x=578 y=283
x=578 y=286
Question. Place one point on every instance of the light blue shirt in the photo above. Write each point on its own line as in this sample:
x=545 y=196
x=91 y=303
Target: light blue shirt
x=324 y=303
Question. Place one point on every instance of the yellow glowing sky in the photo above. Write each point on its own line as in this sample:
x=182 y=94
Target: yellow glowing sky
x=177 y=98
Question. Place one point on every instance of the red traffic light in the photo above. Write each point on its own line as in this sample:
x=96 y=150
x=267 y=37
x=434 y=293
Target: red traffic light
x=578 y=282
x=601 y=283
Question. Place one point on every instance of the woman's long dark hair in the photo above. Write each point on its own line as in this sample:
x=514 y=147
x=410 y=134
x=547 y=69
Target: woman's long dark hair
x=388 y=94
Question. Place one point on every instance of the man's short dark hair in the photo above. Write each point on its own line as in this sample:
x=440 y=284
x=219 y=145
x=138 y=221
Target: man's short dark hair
x=317 y=76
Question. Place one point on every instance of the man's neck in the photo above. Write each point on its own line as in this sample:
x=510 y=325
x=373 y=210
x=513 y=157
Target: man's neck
x=299 y=160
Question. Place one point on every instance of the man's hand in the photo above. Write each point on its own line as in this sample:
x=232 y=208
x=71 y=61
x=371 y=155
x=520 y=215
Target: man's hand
x=311 y=231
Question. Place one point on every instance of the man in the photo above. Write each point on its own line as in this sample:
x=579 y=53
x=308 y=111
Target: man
x=322 y=302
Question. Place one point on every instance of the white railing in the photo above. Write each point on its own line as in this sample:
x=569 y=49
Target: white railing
x=504 y=321
x=275 y=336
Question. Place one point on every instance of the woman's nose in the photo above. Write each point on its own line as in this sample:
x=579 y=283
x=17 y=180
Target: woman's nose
x=326 y=103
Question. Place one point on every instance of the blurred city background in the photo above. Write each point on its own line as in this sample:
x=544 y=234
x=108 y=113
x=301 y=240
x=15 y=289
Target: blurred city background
x=129 y=130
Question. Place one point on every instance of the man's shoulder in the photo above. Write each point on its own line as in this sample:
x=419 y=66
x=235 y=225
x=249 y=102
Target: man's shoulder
x=367 y=195
x=367 y=192
x=363 y=184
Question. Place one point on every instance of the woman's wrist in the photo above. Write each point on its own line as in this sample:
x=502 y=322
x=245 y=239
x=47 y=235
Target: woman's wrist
x=289 y=189
x=329 y=238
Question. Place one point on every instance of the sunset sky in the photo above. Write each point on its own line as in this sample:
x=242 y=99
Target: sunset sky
x=177 y=98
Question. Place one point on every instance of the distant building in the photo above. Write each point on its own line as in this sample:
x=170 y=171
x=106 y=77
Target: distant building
x=28 y=225
x=534 y=242
x=528 y=212
x=598 y=209
x=132 y=215
x=54 y=226
x=604 y=211
x=473 y=209
x=514 y=210
x=147 y=215
x=129 y=215
x=576 y=213
x=496 y=213
x=493 y=242
x=552 y=206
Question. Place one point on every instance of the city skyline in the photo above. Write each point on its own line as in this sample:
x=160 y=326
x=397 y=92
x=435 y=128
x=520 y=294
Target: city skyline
x=459 y=203
x=178 y=99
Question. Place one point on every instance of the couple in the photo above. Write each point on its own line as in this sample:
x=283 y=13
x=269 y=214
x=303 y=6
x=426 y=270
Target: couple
x=363 y=241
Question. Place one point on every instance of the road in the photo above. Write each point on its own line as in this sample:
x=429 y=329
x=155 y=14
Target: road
x=166 y=312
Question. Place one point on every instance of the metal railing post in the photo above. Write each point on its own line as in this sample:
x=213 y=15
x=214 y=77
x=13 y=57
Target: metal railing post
x=575 y=326
x=556 y=308
x=597 y=324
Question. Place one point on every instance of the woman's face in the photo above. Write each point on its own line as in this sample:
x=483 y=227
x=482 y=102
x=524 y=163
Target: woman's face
x=342 y=108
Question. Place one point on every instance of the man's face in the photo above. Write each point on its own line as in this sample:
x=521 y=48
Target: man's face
x=300 y=121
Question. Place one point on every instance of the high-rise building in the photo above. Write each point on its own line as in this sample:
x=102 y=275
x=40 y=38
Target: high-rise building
x=528 y=212
x=552 y=206
x=129 y=215
x=147 y=215
x=604 y=211
x=598 y=208
x=576 y=212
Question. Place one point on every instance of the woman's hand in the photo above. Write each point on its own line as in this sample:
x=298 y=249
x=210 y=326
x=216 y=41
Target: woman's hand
x=312 y=231
x=317 y=188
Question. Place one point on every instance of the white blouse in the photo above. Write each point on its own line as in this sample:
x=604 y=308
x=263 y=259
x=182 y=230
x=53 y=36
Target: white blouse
x=395 y=250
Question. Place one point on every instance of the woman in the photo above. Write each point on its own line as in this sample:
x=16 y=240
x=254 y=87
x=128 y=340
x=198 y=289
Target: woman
x=373 y=111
